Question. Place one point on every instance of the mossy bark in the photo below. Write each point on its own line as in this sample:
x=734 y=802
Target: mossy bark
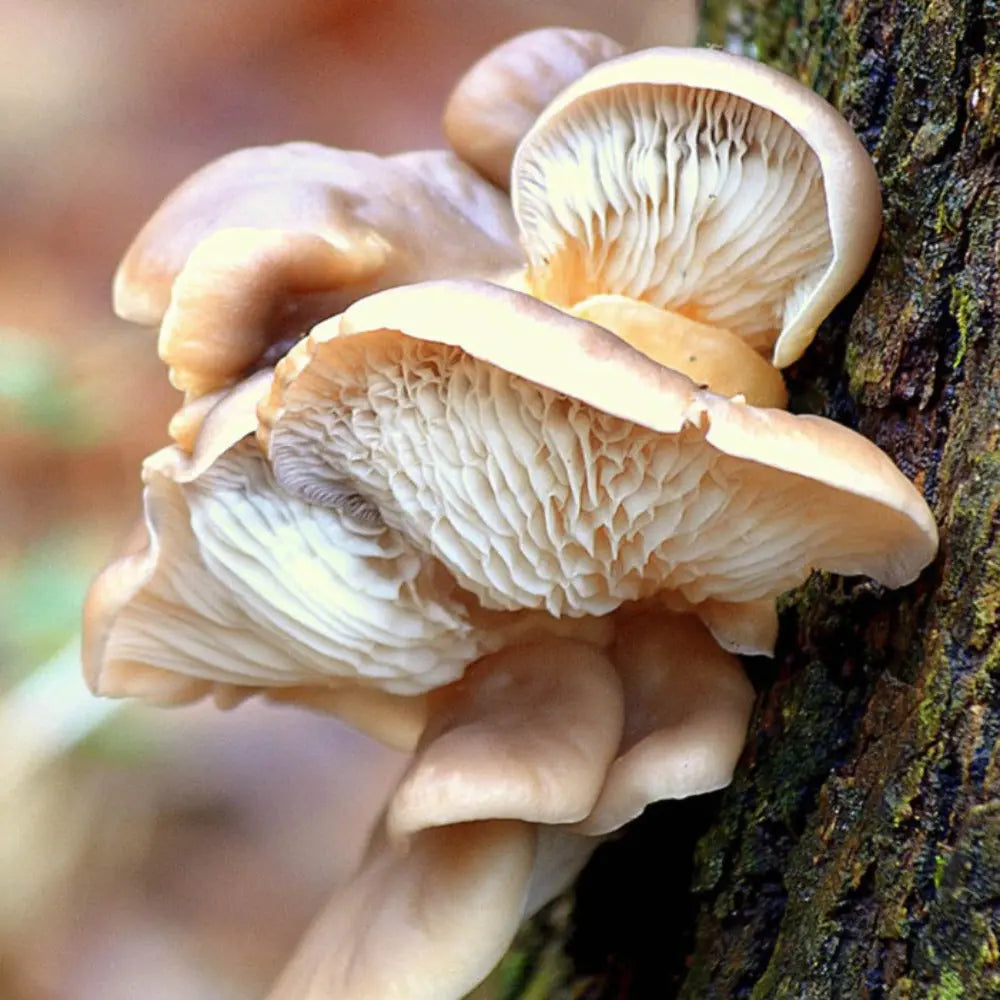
x=857 y=854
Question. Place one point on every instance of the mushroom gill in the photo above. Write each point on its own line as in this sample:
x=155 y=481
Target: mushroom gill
x=704 y=184
x=253 y=249
x=237 y=586
x=549 y=465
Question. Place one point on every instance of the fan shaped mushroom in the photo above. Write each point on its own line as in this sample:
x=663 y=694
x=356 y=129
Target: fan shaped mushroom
x=497 y=101
x=702 y=183
x=687 y=706
x=242 y=587
x=549 y=465
x=258 y=246
x=510 y=531
x=202 y=608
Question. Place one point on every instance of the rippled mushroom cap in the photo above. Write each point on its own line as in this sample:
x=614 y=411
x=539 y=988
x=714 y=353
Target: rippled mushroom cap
x=687 y=705
x=548 y=465
x=258 y=246
x=702 y=183
x=236 y=588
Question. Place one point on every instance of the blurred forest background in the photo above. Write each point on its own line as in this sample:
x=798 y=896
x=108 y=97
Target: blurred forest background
x=168 y=854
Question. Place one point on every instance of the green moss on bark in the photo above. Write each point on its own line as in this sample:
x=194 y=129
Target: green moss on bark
x=857 y=854
x=888 y=861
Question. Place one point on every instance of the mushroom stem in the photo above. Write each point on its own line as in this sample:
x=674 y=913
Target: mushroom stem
x=427 y=923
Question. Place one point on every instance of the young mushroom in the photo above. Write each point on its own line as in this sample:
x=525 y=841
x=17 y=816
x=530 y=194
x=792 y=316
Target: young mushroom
x=423 y=935
x=706 y=185
x=496 y=102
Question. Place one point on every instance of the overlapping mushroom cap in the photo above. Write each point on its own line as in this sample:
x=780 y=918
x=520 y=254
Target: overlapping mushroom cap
x=704 y=184
x=454 y=468
x=512 y=739
x=549 y=465
x=255 y=248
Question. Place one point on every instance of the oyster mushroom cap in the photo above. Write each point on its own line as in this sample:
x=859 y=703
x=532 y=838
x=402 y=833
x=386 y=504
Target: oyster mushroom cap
x=255 y=248
x=703 y=183
x=243 y=293
x=428 y=923
x=496 y=102
x=235 y=588
x=242 y=584
x=549 y=465
x=527 y=733
x=708 y=355
x=687 y=705
x=432 y=918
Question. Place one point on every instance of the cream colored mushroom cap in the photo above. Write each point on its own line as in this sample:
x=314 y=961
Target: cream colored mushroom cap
x=427 y=923
x=235 y=589
x=735 y=85
x=687 y=705
x=528 y=733
x=386 y=219
x=497 y=101
x=549 y=465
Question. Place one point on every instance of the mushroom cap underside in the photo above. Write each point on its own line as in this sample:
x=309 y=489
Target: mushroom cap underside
x=547 y=464
x=701 y=182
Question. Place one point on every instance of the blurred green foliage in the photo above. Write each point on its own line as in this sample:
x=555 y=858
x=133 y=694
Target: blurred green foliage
x=42 y=582
x=38 y=396
x=41 y=594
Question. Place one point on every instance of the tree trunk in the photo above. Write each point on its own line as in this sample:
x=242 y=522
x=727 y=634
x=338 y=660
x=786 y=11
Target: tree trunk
x=857 y=853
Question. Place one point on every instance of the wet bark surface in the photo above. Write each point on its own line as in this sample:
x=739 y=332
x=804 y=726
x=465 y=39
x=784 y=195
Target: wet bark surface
x=857 y=854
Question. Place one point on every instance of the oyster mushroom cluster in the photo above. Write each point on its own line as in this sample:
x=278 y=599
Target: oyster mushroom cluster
x=520 y=484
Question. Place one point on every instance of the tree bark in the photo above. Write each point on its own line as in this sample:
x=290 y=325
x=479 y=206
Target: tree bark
x=857 y=854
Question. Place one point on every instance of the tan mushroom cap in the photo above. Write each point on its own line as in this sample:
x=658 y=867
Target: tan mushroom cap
x=703 y=183
x=687 y=705
x=549 y=465
x=428 y=923
x=243 y=292
x=237 y=588
x=749 y=628
x=497 y=101
x=258 y=246
x=528 y=733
